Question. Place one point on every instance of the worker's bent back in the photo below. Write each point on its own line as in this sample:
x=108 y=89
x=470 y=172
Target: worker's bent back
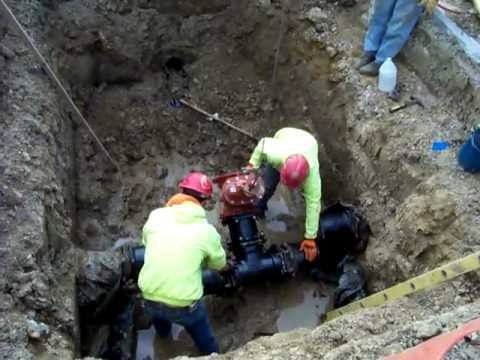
x=178 y=240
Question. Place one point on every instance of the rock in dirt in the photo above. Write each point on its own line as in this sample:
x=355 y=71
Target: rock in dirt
x=345 y=3
x=264 y=3
x=430 y=213
x=6 y=52
x=316 y=15
x=37 y=330
x=331 y=51
x=11 y=197
x=32 y=287
x=428 y=330
x=6 y=302
x=97 y=275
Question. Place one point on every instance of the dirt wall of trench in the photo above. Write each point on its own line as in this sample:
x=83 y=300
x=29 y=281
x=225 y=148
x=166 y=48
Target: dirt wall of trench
x=227 y=62
x=36 y=198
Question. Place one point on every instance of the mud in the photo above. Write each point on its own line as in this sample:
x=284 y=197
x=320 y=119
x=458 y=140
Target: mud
x=256 y=312
x=263 y=65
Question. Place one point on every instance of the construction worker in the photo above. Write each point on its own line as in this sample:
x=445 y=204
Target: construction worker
x=178 y=241
x=390 y=27
x=291 y=157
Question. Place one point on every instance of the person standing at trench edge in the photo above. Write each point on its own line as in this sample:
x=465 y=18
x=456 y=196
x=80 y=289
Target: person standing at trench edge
x=291 y=157
x=390 y=27
x=178 y=240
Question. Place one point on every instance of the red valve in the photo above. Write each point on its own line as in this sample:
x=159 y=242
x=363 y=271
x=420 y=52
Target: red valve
x=240 y=192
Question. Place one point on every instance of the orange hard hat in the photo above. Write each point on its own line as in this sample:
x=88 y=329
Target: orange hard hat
x=294 y=171
x=198 y=182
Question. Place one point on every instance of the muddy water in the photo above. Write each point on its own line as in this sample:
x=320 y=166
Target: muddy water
x=297 y=303
x=303 y=314
x=261 y=309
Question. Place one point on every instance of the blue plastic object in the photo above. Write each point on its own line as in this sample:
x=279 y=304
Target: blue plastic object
x=175 y=103
x=469 y=153
x=439 y=146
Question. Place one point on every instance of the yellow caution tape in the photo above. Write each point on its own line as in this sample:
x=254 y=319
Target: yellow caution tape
x=425 y=281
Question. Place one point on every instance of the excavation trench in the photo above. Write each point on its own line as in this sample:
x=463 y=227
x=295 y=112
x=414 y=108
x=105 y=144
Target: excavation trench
x=234 y=69
x=262 y=66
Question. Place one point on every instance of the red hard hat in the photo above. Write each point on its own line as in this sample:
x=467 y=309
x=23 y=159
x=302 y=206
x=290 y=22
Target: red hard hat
x=294 y=171
x=198 y=182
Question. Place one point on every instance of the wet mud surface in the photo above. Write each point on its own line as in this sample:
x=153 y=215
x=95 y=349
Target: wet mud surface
x=261 y=310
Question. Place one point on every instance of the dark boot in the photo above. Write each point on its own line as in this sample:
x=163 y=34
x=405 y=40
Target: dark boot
x=366 y=59
x=370 y=69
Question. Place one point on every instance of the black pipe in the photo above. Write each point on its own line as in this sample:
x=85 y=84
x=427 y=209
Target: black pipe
x=246 y=240
x=252 y=262
x=265 y=267
x=213 y=281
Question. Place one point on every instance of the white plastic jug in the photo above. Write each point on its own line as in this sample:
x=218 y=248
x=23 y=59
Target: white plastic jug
x=387 y=78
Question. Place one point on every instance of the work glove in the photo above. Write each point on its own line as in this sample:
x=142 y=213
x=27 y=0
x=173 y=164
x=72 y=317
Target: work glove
x=429 y=5
x=309 y=247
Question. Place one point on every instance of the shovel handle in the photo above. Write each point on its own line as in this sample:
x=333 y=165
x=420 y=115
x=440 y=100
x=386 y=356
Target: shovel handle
x=216 y=118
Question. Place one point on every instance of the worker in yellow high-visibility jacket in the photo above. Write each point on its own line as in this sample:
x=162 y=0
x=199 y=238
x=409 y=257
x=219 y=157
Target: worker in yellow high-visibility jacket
x=291 y=157
x=178 y=241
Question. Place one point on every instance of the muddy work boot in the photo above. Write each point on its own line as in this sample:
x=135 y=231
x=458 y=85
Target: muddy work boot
x=370 y=69
x=366 y=59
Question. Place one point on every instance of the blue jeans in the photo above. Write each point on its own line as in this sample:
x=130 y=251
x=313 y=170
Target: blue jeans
x=194 y=319
x=390 y=27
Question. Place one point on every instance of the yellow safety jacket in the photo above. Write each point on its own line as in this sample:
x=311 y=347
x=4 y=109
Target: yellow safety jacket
x=274 y=151
x=178 y=241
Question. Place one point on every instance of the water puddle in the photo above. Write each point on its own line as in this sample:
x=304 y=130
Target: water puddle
x=259 y=311
x=277 y=206
x=145 y=340
x=305 y=314
x=152 y=347
x=277 y=226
